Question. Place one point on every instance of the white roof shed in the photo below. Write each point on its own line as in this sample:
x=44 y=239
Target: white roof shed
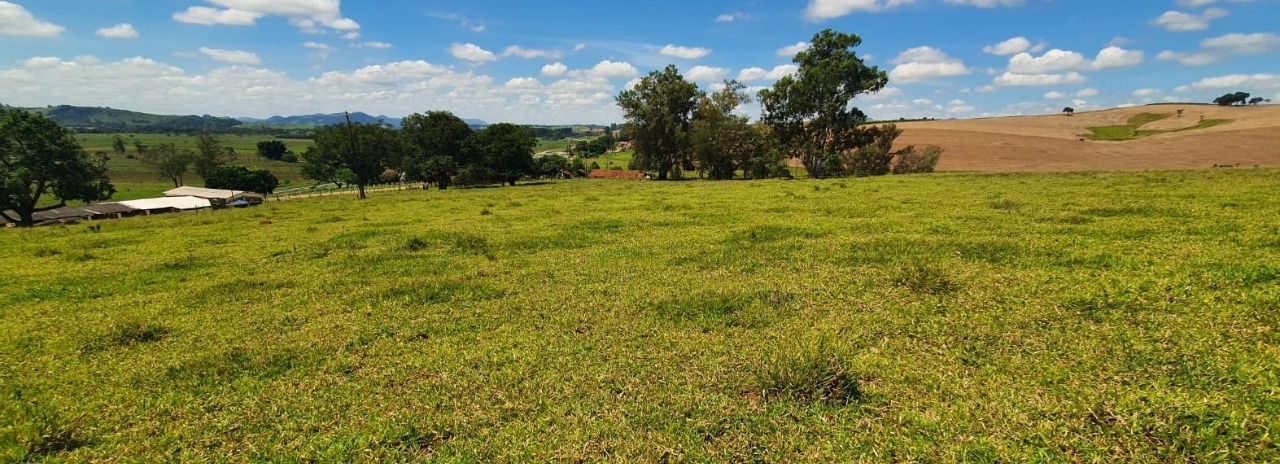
x=180 y=203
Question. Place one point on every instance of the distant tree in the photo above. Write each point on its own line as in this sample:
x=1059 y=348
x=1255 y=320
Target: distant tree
x=722 y=141
x=1256 y=100
x=1236 y=98
x=208 y=153
x=241 y=178
x=272 y=149
x=118 y=144
x=433 y=147
x=140 y=147
x=1069 y=111
x=365 y=149
x=660 y=109
x=503 y=151
x=171 y=162
x=38 y=158
x=810 y=112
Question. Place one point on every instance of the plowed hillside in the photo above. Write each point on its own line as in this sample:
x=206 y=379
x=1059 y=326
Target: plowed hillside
x=1060 y=143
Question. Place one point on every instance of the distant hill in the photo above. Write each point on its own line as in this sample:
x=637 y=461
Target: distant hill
x=93 y=119
x=1055 y=142
x=322 y=120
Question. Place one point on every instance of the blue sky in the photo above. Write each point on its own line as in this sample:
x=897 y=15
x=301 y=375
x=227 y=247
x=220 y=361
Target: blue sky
x=563 y=62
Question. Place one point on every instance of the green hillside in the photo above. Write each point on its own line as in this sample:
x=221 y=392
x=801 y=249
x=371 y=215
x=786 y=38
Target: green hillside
x=937 y=318
x=89 y=119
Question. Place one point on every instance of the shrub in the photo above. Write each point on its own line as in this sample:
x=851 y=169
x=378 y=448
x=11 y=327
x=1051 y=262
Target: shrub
x=913 y=161
x=870 y=161
x=812 y=373
x=289 y=158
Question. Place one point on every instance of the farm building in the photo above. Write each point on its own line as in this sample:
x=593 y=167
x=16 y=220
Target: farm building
x=217 y=197
x=168 y=205
x=77 y=213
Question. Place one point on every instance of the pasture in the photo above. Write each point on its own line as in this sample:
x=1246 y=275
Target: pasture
x=1067 y=317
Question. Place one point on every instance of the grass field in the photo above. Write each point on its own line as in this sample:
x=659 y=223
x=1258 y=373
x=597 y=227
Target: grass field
x=1133 y=129
x=950 y=317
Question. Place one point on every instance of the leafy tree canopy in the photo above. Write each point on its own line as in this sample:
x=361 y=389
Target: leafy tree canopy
x=38 y=158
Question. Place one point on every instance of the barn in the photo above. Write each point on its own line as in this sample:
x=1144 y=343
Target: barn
x=219 y=198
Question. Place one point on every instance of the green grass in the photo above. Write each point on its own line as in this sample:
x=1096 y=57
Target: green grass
x=1132 y=130
x=1090 y=317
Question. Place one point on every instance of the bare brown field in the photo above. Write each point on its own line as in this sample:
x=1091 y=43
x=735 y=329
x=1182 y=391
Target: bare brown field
x=1058 y=142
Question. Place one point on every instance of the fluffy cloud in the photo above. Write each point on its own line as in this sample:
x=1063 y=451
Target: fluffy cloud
x=792 y=50
x=1055 y=95
x=707 y=74
x=1243 y=44
x=231 y=56
x=1087 y=93
x=471 y=53
x=1116 y=57
x=1025 y=80
x=819 y=10
x=1144 y=93
x=1236 y=81
x=16 y=20
x=688 y=53
x=530 y=53
x=119 y=31
x=395 y=89
x=1179 y=21
x=555 y=69
x=1057 y=61
x=1051 y=62
x=1012 y=46
x=307 y=15
x=613 y=70
x=755 y=74
x=1215 y=49
x=922 y=63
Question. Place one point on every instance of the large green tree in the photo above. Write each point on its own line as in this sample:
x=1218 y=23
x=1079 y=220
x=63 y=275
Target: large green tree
x=660 y=109
x=208 y=153
x=722 y=140
x=503 y=152
x=434 y=144
x=172 y=162
x=241 y=178
x=811 y=111
x=367 y=150
x=40 y=158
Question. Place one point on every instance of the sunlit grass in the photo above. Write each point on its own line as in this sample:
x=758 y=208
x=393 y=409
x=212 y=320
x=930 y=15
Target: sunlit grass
x=940 y=318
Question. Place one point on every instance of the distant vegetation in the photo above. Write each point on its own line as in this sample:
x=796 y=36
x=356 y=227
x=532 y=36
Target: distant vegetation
x=1133 y=128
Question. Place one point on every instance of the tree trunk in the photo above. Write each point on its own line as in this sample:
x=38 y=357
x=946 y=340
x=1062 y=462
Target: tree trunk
x=360 y=189
x=511 y=181
x=663 y=169
x=26 y=218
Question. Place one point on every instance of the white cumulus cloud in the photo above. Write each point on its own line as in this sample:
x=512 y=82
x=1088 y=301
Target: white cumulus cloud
x=792 y=50
x=923 y=63
x=1178 y=21
x=530 y=53
x=307 y=15
x=706 y=74
x=16 y=20
x=688 y=53
x=555 y=69
x=119 y=31
x=471 y=52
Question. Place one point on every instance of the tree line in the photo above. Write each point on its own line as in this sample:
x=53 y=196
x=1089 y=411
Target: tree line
x=1239 y=98
x=676 y=127
x=435 y=147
